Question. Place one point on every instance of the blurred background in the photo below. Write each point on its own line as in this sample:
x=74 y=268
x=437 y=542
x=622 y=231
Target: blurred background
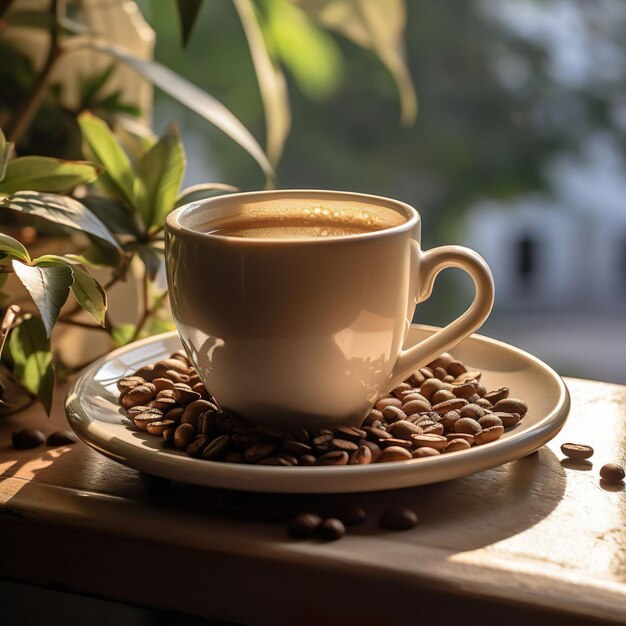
x=517 y=150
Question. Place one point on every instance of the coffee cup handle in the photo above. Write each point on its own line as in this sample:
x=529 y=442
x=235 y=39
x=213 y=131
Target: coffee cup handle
x=428 y=265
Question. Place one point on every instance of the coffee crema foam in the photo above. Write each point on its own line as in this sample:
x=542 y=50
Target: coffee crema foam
x=299 y=219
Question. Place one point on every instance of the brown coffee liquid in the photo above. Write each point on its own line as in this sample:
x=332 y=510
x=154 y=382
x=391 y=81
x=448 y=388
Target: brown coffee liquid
x=291 y=228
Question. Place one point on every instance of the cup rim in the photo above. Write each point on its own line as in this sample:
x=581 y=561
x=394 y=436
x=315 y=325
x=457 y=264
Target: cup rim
x=173 y=220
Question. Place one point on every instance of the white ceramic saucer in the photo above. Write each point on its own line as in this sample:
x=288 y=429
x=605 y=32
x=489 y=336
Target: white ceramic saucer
x=96 y=418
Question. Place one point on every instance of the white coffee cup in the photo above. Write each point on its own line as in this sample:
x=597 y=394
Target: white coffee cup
x=307 y=332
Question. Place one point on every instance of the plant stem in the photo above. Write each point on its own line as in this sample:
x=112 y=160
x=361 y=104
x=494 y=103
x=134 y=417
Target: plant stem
x=71 y=322
x=147 y=310
x=7 y=322
x=22 y=120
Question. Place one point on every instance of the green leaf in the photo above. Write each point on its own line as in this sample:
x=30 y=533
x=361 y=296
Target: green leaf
x=30 y=351
x=160 y=174
x=61 y=210
x=103 y=148
x=271 y=82
x=6 y=148
x=118 y=218
x=13 y=247
x=122 y=334
x=310 y=53
x=48 y=287
x=378 y=26
x=152 y=258
x=36 y=173
x=193 y=98
x=86 y=289
x=4 y=276
x=188 y=13
x=91 y=85
x=204 y=190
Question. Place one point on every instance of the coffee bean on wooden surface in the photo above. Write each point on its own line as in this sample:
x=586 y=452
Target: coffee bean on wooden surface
x=61 y=438
x=304 y=525
x=398 y=519
x=612 y=473
x=27 y=438
x=350 y=513
x=331 y=529
x=577 y=451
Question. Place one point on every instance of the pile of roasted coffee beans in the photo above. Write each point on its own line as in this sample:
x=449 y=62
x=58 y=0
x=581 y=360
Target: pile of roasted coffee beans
x=439 y=409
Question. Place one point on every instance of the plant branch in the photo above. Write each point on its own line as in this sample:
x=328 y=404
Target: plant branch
x=7 y=323
x=71 y=322
x=22 y=120
x=147 y=310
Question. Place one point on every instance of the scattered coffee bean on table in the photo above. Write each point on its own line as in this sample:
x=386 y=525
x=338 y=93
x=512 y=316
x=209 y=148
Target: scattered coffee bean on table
x=442 y=408
x=577 y=451
x=61 y=438
x=27 y=438
x=398 y=519
x=331 y=529
x=304 y=525
x=612 y=473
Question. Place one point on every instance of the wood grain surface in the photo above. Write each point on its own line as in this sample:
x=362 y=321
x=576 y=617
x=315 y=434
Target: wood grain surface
x=536 y=539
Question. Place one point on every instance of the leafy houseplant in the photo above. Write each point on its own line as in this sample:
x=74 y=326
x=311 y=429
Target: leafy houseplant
x=115 y=203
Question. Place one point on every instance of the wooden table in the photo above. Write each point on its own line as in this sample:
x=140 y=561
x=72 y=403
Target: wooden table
x=536 y=539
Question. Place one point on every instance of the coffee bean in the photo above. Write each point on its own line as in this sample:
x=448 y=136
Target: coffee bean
x=129 y=382
x=393 y=414
x=507 y=419
x=456 y=368
x=488 y=434
x=143 y=419
x=403 y=429
x=163 y=403
x=388 y=401
x=27 y=438
x=174 y=376
x=420 y=453
x=349 y=513
x=455 y=445
x=197 y=445
x=206 y=424
x=61 y=438
x=162 y=384
x=200 y=389
x=433 y=429
x=343 y=444
x=157 y=428
x=277 y=460
x=141 y=394
x=140 y=408
x=217 y=449
x=361 y=456
x=576 y=451
x=300 y=434
x=489 y=420
x=331 y=529
x=438 y=442
x=441 y=396
x=184 y=394
x=336 y=457
x=176 y=365
x=484 y=404
x=373 y=448
x=376 y=434
x=465 y=390
x=443 y=361
x=463 y=436
x=612 y=473
x=175 y=414
x=304 y=525
x=373 y=416
x=394 y=454
x=439 y=373
x=497 y=394
x=349 y=432
x=511 y=405
x=270 y=433
x=449 y=405
x=168 y=437
x=467 y=425
x=296 y=448
x=146 y=372
x=398 y=519
x=426 y=372
x=472 y=410
x=307 y=459
x=430 y=386
x=259 y=451
x=449 y=419
x=193 y=411
x=469 y=375
x=416 y=406
x=397 y=391
x=416 y=378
